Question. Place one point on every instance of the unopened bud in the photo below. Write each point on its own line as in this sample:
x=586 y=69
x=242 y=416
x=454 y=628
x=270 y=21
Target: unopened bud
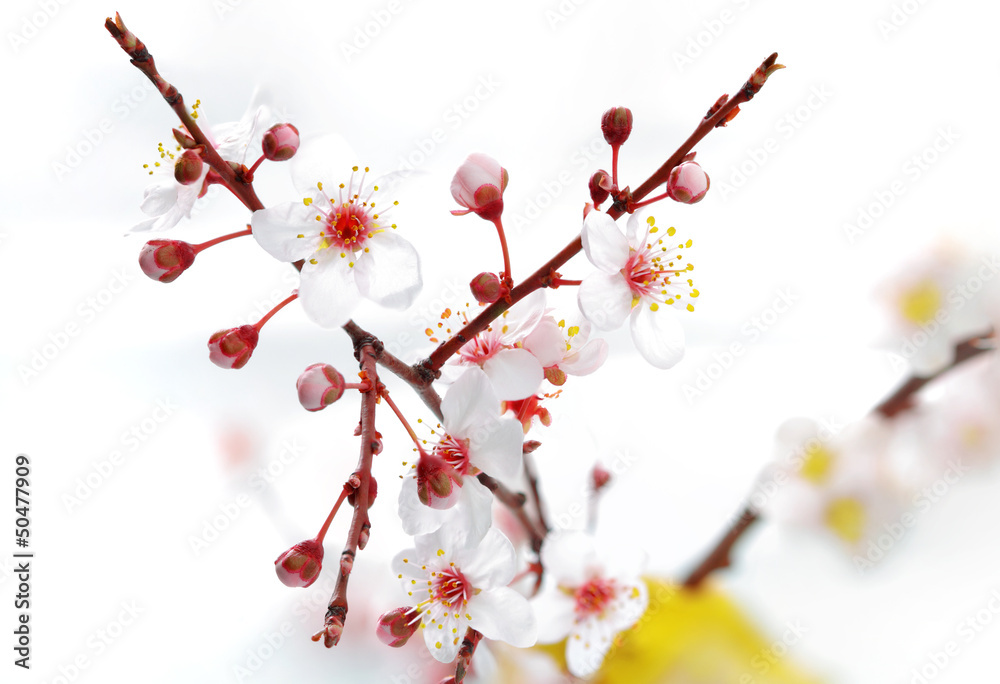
x=165 y=260
x=281 y=142
x=183 y=139
x=299 y=566
x=397 y=626
x=188 y=167
x=486 y=288
x=478 y=186
x=372 y=492
x=600 y=186
x=599 y=478
x=437 y=482
x=319 y=386
x=364 y=535
x=346 y=564
x=687 y=183
x=616 y=125
x=232 y=348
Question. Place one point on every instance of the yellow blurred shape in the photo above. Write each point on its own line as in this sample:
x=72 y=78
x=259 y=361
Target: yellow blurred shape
x=695 y=637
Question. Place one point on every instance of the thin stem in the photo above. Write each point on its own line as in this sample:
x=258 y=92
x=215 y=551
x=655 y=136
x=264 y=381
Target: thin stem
x=560 y=282
x=506 y=276
x=536 y=497
x=329 y=519
x=651 y=200
x=406 y=425
x=205 y=245
x=249 y=173
x=614 y=164
x=260 y=324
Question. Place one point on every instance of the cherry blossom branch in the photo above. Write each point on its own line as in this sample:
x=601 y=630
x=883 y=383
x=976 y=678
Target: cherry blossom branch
x=357 y=536
x=515 y=502
x=143 y=61
x=723 y=111
x=469 y=643
x=529 y=472
x=893 y=405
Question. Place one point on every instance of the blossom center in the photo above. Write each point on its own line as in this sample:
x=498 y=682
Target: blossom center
x=348 y=227
x=450 y=588
x=654 y=271
x=593 y=597
x=455 y=453
x=482 y=348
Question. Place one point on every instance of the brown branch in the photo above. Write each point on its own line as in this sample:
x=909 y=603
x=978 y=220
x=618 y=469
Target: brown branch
x=719 y=556
x=515 y=502
x=544 y=275
x=357 y=536
x=469 y=643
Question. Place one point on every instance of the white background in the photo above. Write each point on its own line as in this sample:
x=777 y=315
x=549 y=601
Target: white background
x=525 y=82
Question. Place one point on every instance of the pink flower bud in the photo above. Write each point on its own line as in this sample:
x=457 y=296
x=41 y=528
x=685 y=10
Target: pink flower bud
x=319 y=386
x=165 y=260
x=599 y=478
x=437 y=482
x=688 y=183
x=183 y=139
x=478 y=186
x=600 y=186
x=299 y=566
x=486 y=288
x=281 y=142
x=232 y=348
x=188 y=167
x=616 y=125
x=397 y=626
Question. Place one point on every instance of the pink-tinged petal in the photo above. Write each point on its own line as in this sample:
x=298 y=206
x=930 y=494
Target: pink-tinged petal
x=603 y=242
x=389 y=274
x=327 y=289
x=327 y=159
x=441 y=643
x=415 y=516
x=587 y=645
x=277 y=230
x=476 y=171
x=635 y=230
x=586 y=360
x=555 y=612
x=569 y=557
x=470 y=401
x=605 y=299
x=515 y=373
x=495 y=447
x=490 y=564
x=521 y=319
x=158 y=198
x=505 y=615
x=658 y=336
x=793 y=437
x=546 y=342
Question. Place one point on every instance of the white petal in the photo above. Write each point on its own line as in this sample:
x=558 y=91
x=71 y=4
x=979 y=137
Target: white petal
x=327 y=159
x=469 y=402
x=158 y=198
x=327 y=289
x=555 y=612
x=603 y=242
x=415 y=516
x=490 y=564
x=505 y=615
x=277 y=228
x=520 y=319
x=443 y=637
x=472 y=517
x=658 y=336
x=605 y=299
x=629 y=605
x=546 y=342
x=515 y=373
x=389 y=274
x=495 y=447
x=568 y=557
x=586 y=360
x=635 y=231
x=407 y=564
x=587 y=645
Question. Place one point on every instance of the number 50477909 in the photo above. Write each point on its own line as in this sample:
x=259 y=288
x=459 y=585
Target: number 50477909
x=22 y=500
